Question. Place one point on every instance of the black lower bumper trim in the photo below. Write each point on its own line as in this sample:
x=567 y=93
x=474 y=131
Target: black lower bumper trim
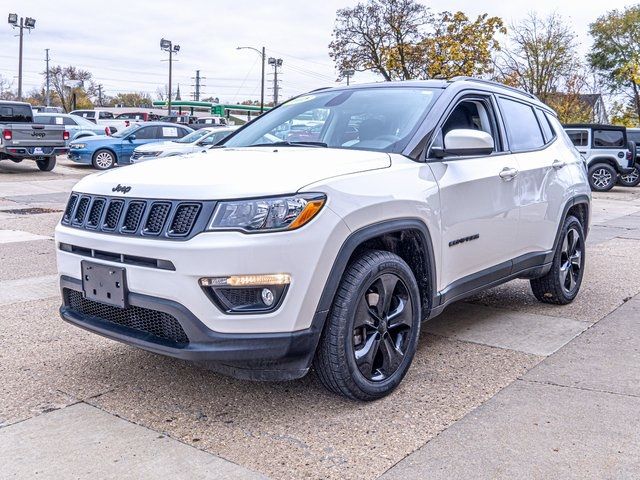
x=259 y=356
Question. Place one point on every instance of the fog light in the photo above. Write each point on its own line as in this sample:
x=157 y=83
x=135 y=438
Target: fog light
x=247 y=293
x=267 y=297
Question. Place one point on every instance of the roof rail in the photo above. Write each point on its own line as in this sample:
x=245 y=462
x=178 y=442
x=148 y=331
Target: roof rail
x=494 y=83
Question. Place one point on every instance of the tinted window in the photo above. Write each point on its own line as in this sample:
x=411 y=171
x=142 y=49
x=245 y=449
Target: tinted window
x=522 y=127
x=171 y=133
x=547 y=130
x=43 y=119
x=69 y=121
x=608 y=138
x=15 y=114
x=106 y=115
x=580 y=138
x=85 y=113
x=634 y=136
x=146 y=133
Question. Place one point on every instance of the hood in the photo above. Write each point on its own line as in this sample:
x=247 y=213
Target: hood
x=232 y=173
x=99 y=138
x=155 y=146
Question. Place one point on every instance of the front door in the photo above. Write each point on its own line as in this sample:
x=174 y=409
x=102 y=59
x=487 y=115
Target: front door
x=478 y=198
x=143 y=136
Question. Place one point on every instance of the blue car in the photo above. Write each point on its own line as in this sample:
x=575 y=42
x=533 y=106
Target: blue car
x=104 y=151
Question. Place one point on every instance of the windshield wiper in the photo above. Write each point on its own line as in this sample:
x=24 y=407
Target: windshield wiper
x=286 y=143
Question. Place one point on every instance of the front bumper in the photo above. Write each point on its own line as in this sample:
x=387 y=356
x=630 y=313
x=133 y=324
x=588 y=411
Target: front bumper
x=80 y=156
x=267 y=356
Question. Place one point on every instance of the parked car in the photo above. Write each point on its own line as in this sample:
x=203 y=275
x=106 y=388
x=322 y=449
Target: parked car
x=632 y=179
x=45 y=109
x=214 y=121
x=606 y=151
x=104 y=151
x=22 y=139
x=260 y=259
x=197 y=141
x=186 y=120
x=103 y=117
x=134 y=117
x=77 y=127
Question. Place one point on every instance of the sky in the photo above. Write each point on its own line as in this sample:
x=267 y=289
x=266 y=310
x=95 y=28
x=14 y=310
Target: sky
x=118 y=41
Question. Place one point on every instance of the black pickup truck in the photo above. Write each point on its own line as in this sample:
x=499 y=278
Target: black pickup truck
x=24 y=140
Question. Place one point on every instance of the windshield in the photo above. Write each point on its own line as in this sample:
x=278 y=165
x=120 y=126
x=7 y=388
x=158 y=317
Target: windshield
x=126 y=131
x=381 y=119
x=193 y=136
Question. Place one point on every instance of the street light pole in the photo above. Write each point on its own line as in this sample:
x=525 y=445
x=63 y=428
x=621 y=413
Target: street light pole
x=28 y=23
x=168 y=46
x=263 y=58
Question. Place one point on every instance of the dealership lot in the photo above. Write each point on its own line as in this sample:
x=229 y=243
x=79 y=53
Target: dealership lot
x=67 y=397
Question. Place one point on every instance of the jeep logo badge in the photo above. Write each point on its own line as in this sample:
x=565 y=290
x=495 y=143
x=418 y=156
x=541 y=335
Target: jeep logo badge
x=38 y=134
x=121 y=188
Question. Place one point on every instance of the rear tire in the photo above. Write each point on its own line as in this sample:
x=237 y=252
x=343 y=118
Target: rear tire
x=630 y=179
x=561 y=284
x=602 y=177
x=371 y=333
x=46 y=165
x=103 y=160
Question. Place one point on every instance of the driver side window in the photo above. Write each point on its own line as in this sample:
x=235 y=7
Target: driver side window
x=469 y=114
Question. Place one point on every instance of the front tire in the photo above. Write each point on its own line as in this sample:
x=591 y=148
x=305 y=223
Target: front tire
x=103 y=160
x=630 y=179
x=46 y=165
x=371 y=333
x=561 y=284
x=602 y=177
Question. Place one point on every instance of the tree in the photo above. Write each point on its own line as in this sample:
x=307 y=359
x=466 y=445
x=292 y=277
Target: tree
x=615 y=52
x=401 y=40
x=140 y=99
x=69 y=83
x=540 y=56
x=6 y=92
x=574 y=104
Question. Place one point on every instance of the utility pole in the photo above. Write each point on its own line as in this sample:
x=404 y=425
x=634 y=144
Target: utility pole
x=275 y=62
x=28 y=23
x=48 y=96
x=167 y=46
x=198 y=85
x=100 y=94
x=263 y=58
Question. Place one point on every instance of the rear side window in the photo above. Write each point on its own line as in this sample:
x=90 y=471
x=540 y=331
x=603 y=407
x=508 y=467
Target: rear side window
x=547 y=129
x=16 y=114
x=580 y=138
x=634 y=136
x=522 y=126
x=146 y=133
x=43 y=119
x=107 y=115
x=608 y=138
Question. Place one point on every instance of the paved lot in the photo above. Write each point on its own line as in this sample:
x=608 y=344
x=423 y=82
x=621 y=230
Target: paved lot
x=502 y=386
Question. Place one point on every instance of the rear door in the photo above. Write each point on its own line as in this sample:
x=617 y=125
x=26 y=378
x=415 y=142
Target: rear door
x=478 y=196
x=581 y=139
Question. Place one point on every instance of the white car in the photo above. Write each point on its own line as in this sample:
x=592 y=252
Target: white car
x=197 y=141
x=264 y=257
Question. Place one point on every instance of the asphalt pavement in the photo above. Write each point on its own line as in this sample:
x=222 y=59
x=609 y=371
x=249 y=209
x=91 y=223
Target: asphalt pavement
x=501 y=387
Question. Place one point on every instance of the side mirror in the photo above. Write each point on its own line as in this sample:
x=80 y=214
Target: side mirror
x=464 y=142
x=131 y=137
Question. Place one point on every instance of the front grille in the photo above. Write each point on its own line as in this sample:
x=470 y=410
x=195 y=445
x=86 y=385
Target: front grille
x=159 y=324
x=157 y=216
x=184 y=219
x=166 y=219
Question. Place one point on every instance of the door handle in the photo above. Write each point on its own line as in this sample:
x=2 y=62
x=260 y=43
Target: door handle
x=557 y=164
x=507 y=174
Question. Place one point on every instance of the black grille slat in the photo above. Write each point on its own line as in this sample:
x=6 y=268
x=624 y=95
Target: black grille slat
x=157 y=217
x=95 y=213
x=159 y=324
x=133 y=216
x=71 y=205
x=81 y=211
x=184 y=219
x=112 y=217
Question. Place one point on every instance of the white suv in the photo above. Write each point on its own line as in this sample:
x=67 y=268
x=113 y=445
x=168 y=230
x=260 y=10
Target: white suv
x=264 y=257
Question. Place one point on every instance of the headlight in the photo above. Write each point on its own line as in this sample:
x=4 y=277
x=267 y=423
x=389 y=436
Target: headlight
x=267 y=214
x=78 y=145
x=149 y=154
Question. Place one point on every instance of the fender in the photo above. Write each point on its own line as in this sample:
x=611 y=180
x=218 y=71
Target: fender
x=579 y=199
x=354 y=240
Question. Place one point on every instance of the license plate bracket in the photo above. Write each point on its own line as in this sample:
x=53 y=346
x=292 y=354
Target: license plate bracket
x=104 y=284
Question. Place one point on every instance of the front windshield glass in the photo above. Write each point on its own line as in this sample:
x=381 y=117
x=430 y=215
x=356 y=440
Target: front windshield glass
x=377 y=118
x=126 y=131
x=193 y=136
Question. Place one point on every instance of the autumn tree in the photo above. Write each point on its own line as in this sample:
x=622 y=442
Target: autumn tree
x=69 y=83
x=402 y=39
x=540 y=55
x=6 y=91
x=615 y=53
x=139 y=99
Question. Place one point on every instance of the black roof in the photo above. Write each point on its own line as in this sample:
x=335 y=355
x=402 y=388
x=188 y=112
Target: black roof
x=596 y=126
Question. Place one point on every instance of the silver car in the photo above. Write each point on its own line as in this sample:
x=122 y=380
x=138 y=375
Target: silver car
x=77 y=127
x=197 y=141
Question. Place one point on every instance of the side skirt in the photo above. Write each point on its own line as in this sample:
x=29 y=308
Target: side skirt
x=530 y=265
